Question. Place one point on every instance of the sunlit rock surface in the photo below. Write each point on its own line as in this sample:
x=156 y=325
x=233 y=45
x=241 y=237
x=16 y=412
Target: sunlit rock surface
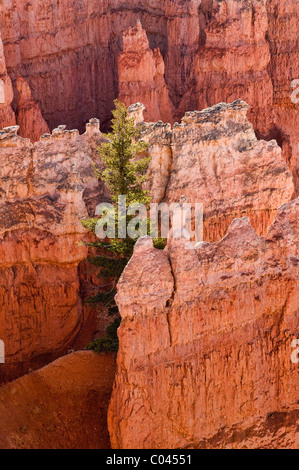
x=205 y=342
x=42 y=203
x=210 y=52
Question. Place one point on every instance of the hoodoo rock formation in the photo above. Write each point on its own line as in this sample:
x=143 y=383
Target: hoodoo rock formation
x=46 y=189
x=213 y=157
x=71 y=54
x=141 y=76
x=29 y=117
x=7 y=116
x=283 y=37
x=206 y=342
x=62 y=406
x=49 y=186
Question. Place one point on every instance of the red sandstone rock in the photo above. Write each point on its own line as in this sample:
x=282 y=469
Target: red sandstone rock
x=283 y=37
x=62 y=406
x=218 y=374
x=29 y=116
x=213 y=157
x=141 y=76
x=205 y=342
x=48 y=187
x=42 y=201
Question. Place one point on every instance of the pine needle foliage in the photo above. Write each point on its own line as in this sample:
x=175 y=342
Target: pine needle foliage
x=124 y=174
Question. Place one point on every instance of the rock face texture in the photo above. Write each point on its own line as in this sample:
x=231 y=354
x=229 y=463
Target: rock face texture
x=213 y=157
x=141 y=76
x=219 y=371
x=212 y=52
x=283 y=37
x=46 y=189
x=7 y=116
x=49 y=186
x=62 y=406
x=29 y=117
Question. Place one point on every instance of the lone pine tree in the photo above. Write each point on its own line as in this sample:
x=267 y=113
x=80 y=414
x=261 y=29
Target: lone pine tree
x=124 y=174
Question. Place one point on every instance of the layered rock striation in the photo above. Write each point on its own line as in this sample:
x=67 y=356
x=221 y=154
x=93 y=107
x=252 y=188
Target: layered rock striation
x=141 y=76
x=29 y=117
x=206 y=342
x=213 y=157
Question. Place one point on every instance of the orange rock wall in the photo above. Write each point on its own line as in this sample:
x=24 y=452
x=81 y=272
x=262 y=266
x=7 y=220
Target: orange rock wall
x=49 y=186
x=29 y=116
x=206 y=342
x=141 y=76
x=43 y=189
x=7 y=116
x=213 y=157
x=62 y=406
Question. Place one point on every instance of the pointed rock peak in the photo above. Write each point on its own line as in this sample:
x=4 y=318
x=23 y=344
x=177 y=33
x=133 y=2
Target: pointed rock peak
x=242 y=230
x=143 y=244
x=139 y=25
x=7 y=116
x=24 y=91
x=135 y=111
x=135 y=39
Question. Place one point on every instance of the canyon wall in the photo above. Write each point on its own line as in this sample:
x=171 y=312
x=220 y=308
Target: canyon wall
x=219 y=372
x=283 y=37
x=213 y=157
x=141 y=76
x=49 y=186
x=226 y=312
x=78 y=56
x=46 y=189
x=7 y=116
x=62 y=406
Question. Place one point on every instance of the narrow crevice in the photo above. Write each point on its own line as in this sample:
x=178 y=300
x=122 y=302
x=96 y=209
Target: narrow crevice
x=170 y=302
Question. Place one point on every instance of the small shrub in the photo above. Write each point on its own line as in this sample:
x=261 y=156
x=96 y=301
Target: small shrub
x=107 y=343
